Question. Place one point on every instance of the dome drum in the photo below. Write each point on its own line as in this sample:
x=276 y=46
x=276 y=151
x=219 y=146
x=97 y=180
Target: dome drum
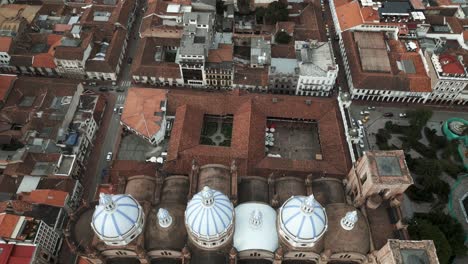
x=302 y=221
x=118 y=219
x=209 y=219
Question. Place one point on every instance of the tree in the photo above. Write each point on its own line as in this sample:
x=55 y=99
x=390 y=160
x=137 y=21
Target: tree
x=418 y=118
x=423 y=229
x=452 y=229
x=260 y=14
x=427 y=167
x=276 y=11
x=282 y=38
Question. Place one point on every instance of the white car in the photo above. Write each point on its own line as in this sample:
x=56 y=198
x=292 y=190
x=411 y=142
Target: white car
x=371 y=108
x=402 y=115
x=365 y=113
x=359 y=123
x=109 y=156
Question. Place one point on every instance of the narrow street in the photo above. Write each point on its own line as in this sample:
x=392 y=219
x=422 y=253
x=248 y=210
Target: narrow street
x=109 y=132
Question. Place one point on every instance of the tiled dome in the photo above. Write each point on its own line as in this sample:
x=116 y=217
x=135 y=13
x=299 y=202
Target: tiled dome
x=118 y=219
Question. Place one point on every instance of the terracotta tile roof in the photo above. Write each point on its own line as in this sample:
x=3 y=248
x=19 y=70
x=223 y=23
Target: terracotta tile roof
x=249 y=120
x=450 y=64
x=44 y=60
x=285 y=26
x=128 y=168
x=46 y=196
x=5 y=44
x=62 y=27
x=17 y=254
x=17 y=206
x=144 y=63
x=6 y=83
x=349 y=14
x=395 y=79
x=310 y=24
x=8 y=223
x=109 y=64
x=142 y=111
x=283 y=51
x=222 y=54
x=74 y=53
x=250 y=76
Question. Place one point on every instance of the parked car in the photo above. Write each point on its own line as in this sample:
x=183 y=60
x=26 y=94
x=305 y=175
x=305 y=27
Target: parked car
x=103 y=89
x=388 y=114
x=109 y=156
x=129 y=60
x=364 y=120
x=371 y=108
x=402 y=115
x=365 y=112
x=120 y=110
x=361 y=144
x=115 y=109
x=359 y=122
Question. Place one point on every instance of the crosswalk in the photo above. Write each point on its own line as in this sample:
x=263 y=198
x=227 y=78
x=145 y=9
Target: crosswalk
x=121 y=99
x=126 y=83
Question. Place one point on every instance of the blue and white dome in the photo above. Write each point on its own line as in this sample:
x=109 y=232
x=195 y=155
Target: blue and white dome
x=302 y=221
x=209 y=218
x=118 y=219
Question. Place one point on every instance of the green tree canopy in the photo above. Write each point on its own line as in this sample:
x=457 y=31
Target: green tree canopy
x=276 y=11
x=282 y=38
x=422 y=229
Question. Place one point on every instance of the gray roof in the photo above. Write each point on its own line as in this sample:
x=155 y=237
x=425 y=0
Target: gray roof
x=315 y=59
x=283 y=66
x=260 y=51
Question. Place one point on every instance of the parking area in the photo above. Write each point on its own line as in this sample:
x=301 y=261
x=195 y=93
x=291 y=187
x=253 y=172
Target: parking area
x=132 y=147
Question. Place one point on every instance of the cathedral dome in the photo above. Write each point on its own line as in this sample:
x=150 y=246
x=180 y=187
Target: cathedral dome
x=255 y=227
x=118 y=219
x=209 y=218
x=302 y=221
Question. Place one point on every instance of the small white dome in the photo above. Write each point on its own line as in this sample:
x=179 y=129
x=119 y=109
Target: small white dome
x=118 y=219
x=302 y=220
x=209 y=215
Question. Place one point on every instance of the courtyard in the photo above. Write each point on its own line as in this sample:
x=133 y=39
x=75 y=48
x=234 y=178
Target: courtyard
x=293 y=139
x=133 y=147
x=216 y=130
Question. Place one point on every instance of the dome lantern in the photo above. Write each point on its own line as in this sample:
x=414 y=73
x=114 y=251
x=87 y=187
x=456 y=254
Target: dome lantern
x=256 y=218
x=164 y=218
x=349 y=220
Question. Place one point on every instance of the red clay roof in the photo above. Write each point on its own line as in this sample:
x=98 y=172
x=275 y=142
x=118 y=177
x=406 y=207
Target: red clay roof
x=222 y=54
x=7 y=224
x=450 y=64
x=349 y=14
x=47 y=196
x=395 y=79
x=5 y=44
x=249 y=121
x=17 y=205
x=6 y=83
x=140 y=110
x=16 y=254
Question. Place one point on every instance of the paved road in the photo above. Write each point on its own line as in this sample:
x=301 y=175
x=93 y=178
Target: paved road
x=109 y=132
